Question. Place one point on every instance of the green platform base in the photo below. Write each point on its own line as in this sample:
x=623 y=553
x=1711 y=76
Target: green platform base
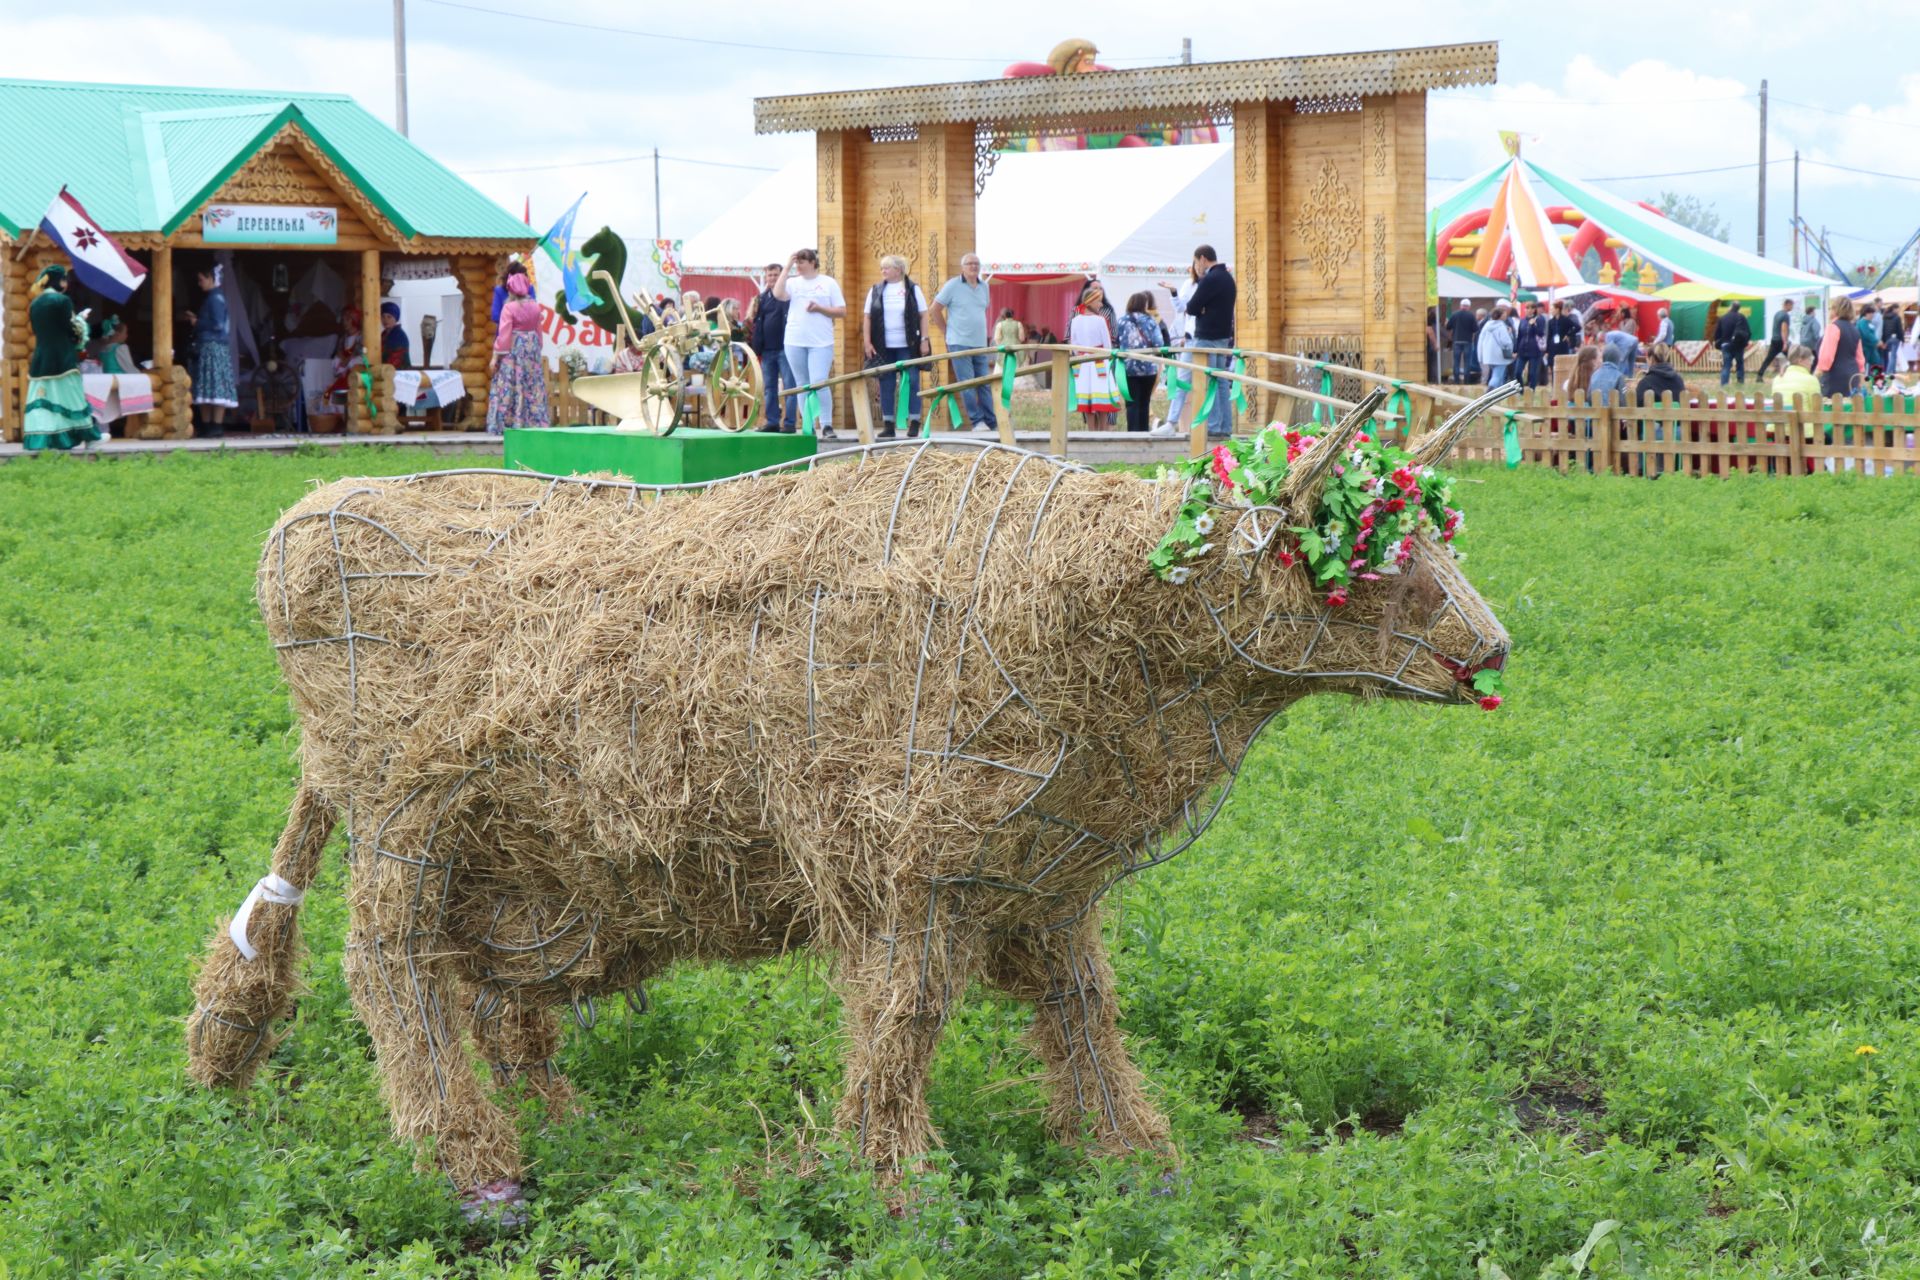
x=688 y=456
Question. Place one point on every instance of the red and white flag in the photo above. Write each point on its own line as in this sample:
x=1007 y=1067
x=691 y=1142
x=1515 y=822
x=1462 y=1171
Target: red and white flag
x=98 y=260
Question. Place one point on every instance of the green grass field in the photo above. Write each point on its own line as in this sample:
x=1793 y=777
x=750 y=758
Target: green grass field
x=1441 y=994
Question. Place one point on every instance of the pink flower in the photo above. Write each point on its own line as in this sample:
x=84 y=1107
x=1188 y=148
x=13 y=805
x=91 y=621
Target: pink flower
x=1339 y=470
x=1363 y=438
x=1490 y=703
x=1369 y=577
x=1222 y=465
x=1396 y=505
x=1405 y=478
x=1337 y=597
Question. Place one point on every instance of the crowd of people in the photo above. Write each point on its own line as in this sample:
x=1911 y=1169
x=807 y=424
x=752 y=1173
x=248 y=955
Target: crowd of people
x=789 y=326
x=1856 y=346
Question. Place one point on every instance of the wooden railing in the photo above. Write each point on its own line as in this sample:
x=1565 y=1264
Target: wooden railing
x=1410 y=411
x=1702 y=435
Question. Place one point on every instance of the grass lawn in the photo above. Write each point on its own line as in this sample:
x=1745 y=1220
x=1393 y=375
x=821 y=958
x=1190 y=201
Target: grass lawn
x=1441 y=994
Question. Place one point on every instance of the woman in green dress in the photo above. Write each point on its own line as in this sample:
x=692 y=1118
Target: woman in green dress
x=57 y=415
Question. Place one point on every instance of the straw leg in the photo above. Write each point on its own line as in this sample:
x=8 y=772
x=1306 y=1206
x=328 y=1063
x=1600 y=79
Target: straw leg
x=520 y=1042
x=898 y=987
x=1097 y=1095
x=400 y=970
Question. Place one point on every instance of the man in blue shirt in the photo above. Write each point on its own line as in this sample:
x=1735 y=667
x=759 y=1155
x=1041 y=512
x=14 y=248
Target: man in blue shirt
x=959 y=310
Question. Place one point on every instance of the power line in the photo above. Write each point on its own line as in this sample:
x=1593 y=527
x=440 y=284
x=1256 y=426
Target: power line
x=1844 y=115
x=1455 y=96
x=736 y=44
x=1871 y=173
x=1685 y=173
x=648 y=155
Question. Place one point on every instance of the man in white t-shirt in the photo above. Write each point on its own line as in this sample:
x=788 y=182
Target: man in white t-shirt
x=891 y=331
x=814 y=302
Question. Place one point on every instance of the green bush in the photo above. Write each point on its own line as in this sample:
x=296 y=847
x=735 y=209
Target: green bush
x=1575 y=987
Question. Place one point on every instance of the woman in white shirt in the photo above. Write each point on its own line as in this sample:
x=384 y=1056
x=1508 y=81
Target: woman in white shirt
x=814 y=302
x=893 y=328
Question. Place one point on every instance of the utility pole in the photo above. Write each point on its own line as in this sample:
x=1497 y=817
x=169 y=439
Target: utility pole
x=1796 y=208
x=400 y=66
x=658 y=234
x=1760 y=235
x=1186 y=49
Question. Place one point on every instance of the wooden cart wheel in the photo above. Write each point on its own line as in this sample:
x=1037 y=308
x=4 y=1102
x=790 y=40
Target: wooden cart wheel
x=736 y=389
x=662 y=380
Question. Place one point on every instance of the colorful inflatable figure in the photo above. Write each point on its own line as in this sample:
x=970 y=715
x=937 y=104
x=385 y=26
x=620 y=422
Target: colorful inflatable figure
x=1071 y=57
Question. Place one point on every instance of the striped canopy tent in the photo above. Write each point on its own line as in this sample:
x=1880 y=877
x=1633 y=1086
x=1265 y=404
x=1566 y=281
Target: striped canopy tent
x=1537 y=224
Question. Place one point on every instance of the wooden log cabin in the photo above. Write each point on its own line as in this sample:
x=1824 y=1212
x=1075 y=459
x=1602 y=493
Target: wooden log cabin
x=311 y=203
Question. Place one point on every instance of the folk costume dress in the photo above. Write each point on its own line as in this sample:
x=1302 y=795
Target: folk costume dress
x=1093 y=381
x=57 y=415
x=213 y=382
x=517 y=396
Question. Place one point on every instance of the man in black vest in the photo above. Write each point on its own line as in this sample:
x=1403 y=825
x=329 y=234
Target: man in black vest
x=767 y=335
x=892 y=332
x=1211 y=309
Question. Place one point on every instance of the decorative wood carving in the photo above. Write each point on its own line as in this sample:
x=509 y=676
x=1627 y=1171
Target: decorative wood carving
x=829 y=259
x=931 y=271
x=930 y=164
x=1248 y=252
x=985 y=156
x=829 y=160
x=1379 y=266
x=1331 y=81
x=1247 y=135
x=1380 y=142
x=896 y=226
x=1329 y=224
x=268 y=179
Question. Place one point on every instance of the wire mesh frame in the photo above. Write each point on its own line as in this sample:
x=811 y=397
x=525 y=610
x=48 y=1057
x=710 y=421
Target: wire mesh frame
x=1177 y=829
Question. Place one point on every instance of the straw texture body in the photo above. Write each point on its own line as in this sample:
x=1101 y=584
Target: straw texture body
x=917 y=713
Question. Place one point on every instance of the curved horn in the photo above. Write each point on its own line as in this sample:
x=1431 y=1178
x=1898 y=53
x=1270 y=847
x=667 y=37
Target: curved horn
x=1300 y=492
x=1432 y=448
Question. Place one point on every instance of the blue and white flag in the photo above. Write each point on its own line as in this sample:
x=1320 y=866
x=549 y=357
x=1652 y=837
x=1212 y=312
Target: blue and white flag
x=558 y=242
x=98 y=261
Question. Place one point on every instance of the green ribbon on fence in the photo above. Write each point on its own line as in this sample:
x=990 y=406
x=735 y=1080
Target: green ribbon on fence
x=953 y=408
x=1401 y=403
x=1178 y=379
x=1120 y=376
x=810 y=410
x=1512 y=433
x=1235 y=391
x=1323 y=413
x=1007 y=366
x=1206 y=401
x=902 y=396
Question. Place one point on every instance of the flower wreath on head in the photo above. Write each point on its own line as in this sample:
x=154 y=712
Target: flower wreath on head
x=1374 y=504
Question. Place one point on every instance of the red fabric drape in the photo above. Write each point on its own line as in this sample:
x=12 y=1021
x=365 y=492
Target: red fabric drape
x=1037 y=302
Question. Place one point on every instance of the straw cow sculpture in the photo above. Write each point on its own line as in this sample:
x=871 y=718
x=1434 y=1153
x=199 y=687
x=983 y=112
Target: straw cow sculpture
x=916 y=712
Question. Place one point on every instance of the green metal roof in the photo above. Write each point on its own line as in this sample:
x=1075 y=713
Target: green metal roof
x=144 y=157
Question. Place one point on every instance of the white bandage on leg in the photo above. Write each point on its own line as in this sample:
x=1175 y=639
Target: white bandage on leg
x=271 y=888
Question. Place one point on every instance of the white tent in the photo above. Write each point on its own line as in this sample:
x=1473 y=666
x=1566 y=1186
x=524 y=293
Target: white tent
x=1130 y=215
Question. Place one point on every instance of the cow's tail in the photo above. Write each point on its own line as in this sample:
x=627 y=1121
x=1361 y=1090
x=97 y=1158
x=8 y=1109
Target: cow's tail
x=247 y=982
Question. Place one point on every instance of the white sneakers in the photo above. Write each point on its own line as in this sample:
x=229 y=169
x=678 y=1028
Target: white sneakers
x=1163 y=429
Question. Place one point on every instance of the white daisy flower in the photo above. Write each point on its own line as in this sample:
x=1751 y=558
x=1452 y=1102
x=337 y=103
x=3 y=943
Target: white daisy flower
x=1179 y=574
x=1203 y=523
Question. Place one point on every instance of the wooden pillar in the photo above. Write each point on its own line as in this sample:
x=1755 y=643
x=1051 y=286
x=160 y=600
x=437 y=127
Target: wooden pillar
x=1393 y=234
x=1258 y=183
x=357 y=416
x=13 y=379
x=946 y=204
x=1061 y=363
x=836 y=205
x=161 y=287
x=476 y=273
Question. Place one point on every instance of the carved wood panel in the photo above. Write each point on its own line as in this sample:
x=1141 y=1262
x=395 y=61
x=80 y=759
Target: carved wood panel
x=1328 y=224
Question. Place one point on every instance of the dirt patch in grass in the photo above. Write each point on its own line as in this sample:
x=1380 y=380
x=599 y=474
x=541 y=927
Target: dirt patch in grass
x=1570 y=1107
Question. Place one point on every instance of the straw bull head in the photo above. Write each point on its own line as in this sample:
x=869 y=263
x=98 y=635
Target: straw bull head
x=1417 y=629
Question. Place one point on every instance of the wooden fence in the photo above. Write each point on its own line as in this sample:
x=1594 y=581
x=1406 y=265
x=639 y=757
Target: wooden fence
x=1701 y=435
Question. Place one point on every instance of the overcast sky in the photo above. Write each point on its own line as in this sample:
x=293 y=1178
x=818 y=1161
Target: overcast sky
x=505 y=93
